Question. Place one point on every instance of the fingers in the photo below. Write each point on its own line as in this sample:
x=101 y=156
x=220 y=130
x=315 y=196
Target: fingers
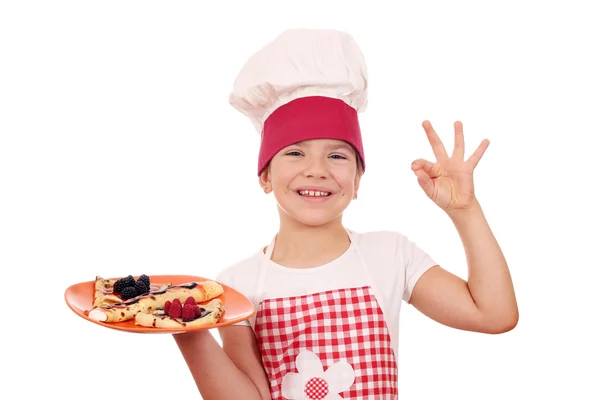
x=436 y=144
x=474 y=159
x=459 y=141
x=431 y=169
x=458 y=152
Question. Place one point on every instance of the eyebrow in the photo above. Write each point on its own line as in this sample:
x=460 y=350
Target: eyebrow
x=336 y=146
x=340 y=146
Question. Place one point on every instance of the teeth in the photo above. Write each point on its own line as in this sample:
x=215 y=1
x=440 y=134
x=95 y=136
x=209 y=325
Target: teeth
x=313 y=193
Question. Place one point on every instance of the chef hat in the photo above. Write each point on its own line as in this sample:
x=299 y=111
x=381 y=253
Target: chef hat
x=306 y=84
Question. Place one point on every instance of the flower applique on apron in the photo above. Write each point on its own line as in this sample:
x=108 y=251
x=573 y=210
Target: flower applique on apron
x=333 y=344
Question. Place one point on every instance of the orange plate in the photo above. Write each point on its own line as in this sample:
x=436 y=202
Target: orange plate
x=80 y=297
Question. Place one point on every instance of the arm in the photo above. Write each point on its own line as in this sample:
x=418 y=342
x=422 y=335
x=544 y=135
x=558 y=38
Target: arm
x=486 y=302
x=234 y=371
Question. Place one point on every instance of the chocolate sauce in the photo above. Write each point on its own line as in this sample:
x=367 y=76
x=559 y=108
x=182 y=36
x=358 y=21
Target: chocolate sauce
x=189 y=285
x=124 y=303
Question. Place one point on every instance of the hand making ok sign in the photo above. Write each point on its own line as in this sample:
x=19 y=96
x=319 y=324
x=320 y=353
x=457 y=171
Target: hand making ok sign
x=449 y=181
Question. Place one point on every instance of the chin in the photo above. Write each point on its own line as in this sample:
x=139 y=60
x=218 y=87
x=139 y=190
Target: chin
x=314 y=221
x=313 y=218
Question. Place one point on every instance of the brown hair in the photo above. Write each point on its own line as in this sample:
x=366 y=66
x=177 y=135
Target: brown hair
x=359 y=163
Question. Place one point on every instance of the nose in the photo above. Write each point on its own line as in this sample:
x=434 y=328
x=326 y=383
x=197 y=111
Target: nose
x=315 y=168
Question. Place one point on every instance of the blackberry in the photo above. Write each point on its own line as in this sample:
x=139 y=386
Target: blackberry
x=119 y=286
x=141 y=288
x=129 y=281
x=145 y=279
x=128 y=293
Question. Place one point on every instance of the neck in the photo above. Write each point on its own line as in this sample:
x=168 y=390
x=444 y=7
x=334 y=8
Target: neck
x=302 y=246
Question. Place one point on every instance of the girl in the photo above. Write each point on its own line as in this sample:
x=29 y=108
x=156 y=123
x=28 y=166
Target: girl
x=327 y=298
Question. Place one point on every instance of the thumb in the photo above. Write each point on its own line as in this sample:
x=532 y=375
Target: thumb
x=431 y=169
x=425 y=182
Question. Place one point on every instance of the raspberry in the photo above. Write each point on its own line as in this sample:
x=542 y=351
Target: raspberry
x=166 y=307
x=190 y=300
x=145 y=279
x=141 y=288
x=175 y=309
x=128 y=293
x=188 y=312
x=197 y=311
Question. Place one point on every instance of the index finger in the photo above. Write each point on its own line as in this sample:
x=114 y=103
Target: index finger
x=436 y=144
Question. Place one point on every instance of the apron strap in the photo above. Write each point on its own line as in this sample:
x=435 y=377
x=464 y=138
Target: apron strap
x=270 y=248
x=262 y=273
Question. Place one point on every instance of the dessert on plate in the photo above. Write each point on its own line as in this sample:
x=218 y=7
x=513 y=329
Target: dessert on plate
x=161 y=305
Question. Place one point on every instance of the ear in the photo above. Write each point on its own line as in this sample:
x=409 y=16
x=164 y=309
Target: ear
x=264 y=179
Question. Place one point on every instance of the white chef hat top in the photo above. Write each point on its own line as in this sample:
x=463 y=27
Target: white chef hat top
x=303 y=64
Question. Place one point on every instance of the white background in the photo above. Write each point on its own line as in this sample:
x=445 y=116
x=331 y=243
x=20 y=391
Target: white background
x=119 y=154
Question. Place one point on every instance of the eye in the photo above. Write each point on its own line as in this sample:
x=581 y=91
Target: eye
x=339 y=156
x=293 y=153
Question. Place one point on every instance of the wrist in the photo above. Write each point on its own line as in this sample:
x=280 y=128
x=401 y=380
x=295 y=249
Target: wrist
x=466 y=213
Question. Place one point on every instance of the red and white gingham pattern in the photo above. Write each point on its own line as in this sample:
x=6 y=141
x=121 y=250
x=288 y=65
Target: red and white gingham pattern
x=345 y=324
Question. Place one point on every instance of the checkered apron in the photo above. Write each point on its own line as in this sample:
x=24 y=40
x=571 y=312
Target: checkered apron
x=328 y=345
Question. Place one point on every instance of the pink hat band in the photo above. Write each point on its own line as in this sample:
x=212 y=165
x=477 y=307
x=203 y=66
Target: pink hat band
x=306 y=118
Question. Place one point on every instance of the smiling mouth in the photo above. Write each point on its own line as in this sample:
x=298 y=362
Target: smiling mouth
x=313 y=193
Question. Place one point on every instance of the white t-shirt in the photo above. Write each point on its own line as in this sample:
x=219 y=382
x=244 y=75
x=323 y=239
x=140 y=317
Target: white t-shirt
x=394 y=262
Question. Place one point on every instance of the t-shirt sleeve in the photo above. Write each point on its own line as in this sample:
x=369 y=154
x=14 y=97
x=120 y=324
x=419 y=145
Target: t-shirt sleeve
x=416 y=262
x=227 y=278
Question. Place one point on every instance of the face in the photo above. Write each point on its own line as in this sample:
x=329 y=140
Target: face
x=313 y=181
